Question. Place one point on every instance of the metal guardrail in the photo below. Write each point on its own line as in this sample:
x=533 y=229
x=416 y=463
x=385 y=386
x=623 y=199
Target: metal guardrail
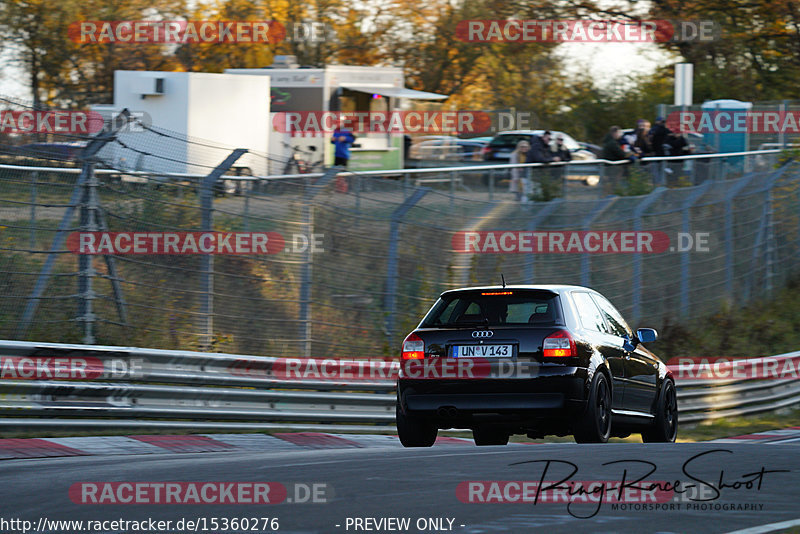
x=50 y=385
x=481 y=166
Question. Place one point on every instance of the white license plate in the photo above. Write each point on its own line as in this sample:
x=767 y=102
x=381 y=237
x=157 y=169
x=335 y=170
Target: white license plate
x=482 y=351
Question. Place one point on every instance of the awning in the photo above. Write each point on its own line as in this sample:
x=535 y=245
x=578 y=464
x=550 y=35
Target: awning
x=398 y=92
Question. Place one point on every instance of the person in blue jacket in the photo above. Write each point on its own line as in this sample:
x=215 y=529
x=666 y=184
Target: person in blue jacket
x=342 y=139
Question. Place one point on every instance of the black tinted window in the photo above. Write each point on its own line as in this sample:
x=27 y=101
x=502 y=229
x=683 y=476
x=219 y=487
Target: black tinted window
x=589 y=314
x=612 y=317
x=495 y=308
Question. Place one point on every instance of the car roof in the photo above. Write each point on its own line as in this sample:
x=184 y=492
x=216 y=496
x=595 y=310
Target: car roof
x=554 y=288
x=526 y=132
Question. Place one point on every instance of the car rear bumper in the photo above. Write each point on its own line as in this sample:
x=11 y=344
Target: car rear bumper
x=517 y=399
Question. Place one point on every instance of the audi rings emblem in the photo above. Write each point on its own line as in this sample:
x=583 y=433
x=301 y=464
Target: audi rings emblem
x=482 y=333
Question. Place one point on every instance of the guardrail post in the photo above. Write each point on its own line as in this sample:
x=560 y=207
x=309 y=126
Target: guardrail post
x=491 y=184
x=207 y=261
x=638 y=214
x=391 y=263
x=305 y=268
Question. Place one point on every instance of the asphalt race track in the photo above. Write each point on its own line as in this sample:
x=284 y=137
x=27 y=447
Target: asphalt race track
x=380 y=482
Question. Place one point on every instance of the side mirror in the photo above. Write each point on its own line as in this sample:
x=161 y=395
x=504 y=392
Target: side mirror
x=312 y=148
x=646 y=335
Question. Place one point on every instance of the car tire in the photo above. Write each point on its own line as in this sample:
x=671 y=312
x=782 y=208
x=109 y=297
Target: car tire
x=484 y=437
x=414 y=432
x=594 y=425
x=665 y=426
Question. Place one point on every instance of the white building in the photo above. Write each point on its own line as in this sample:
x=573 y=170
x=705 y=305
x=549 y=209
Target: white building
x=209 y=110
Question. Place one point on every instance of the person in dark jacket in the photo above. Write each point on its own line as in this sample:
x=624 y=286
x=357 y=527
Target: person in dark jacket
x=612 y=150
x=561 y=152
x=540 y=150
x=660 y=136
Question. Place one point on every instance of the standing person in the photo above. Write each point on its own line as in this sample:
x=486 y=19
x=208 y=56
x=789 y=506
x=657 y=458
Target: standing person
x=540 y=152
x=660 y=136
x=517 y=183
x=561 y=153
x=342 y=139
x=612 y=150
x=540 y=149
x=643 y=145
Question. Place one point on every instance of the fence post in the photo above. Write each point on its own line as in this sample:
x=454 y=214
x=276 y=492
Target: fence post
x=87 y=156
x=638 y=214
x=86 y=273
x=246 y=214
x=391 y=262
x=693 y=197
x=769 y=245
x=305 y=267
x=533 y=223
x=207 y=261
x=452 y=191
x=586 y=262
x=34 y=179
x=781 y=134
x=728 y=234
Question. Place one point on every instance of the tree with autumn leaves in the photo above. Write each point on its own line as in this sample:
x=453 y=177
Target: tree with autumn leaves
x=757 y=56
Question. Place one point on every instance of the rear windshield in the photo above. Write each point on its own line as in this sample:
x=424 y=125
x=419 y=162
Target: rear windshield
x=494 y=308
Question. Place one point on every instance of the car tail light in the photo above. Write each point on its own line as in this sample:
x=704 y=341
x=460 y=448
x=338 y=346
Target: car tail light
x=485 y=151
x=559 y=345
x=413 y=347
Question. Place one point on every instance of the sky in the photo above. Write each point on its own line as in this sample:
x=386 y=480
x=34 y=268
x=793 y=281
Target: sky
x=609 y=63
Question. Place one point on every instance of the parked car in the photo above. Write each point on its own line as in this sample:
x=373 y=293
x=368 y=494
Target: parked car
x=67 y=151
x=501 y=146
x=451 y=149
x=578 y=368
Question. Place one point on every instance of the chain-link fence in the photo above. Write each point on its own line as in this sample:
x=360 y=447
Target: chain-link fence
x=350 y=261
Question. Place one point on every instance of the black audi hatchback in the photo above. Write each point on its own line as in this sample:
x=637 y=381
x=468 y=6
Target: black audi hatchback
x=534 y=360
